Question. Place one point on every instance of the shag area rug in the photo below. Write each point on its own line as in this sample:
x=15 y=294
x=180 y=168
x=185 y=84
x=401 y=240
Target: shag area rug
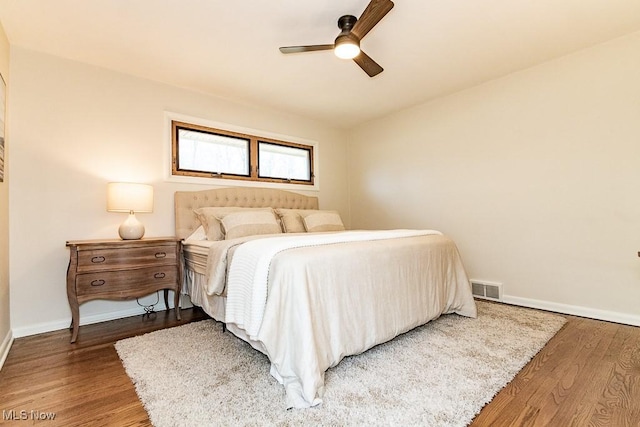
x=439 y=374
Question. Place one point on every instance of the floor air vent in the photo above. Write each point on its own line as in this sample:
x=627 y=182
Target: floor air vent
x=486 y=290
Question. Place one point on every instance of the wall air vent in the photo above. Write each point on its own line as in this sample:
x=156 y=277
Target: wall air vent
x=486 y=290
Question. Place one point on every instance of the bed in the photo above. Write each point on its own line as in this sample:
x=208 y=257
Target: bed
x=287 y=278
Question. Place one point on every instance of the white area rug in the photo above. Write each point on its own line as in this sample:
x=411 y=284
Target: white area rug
x=440 y=374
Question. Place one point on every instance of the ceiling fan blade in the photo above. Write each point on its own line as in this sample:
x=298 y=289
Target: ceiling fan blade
x=298 y=49
x=369 y=66
x=375 y=11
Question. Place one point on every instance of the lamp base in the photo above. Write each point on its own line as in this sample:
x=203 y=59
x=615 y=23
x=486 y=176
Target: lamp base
x=131 y=228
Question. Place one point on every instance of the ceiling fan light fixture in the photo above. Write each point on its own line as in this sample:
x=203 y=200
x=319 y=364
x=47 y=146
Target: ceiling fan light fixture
x=346 y=47
x=352 y=31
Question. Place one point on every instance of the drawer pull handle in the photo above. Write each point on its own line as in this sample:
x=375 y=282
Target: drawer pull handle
x=97 y=282
x=161 y=254
x=159 y=275
x=98 y=259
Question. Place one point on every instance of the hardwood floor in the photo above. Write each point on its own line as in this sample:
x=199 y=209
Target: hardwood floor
x=82 y=383
x=588 y=374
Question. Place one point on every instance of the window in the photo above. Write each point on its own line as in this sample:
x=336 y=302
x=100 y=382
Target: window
x=209 y=152
x=286 y=162
x=215 y=153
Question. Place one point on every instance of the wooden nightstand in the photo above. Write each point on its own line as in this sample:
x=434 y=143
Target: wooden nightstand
x=122 y=270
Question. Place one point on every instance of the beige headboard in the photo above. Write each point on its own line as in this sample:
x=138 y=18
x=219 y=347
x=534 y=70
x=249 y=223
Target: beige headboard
x=245 y=197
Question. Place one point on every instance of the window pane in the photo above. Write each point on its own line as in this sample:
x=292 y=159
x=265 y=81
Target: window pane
x=210 y=152
x=280 y=161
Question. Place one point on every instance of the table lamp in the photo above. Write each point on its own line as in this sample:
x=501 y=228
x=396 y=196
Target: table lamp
x=131 y=198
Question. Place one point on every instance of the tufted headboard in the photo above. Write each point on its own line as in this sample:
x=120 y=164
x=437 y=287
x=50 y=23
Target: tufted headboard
x=245 y=197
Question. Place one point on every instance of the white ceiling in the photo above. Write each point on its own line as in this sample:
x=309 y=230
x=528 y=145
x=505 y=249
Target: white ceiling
x=427 y=48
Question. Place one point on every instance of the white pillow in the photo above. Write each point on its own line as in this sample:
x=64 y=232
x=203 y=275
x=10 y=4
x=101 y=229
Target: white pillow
x=291 y=220
x=199 y=234
x=250 y=222
x=208 y=217
x=316 y=221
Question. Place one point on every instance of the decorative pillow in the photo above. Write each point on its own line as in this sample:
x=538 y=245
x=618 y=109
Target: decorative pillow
x=315 y=221
x=208 y=217
x=291 y=220
x=198 y=234
x=249 y=223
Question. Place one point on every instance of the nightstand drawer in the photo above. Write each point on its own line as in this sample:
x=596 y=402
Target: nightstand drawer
x=109 y=259
x=125 y=284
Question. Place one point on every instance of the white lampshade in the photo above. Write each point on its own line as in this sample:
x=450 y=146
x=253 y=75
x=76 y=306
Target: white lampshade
x=131 y=198
x=127 y=197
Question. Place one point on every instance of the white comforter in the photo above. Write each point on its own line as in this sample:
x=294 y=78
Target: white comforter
x=249 y=272
x=314 y=299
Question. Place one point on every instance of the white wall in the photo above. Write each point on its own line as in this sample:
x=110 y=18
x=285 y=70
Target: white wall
x=76 y=127
x=535 y=175
x=5 y=320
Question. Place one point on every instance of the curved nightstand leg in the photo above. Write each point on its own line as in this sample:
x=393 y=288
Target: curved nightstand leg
x=75 y=323
x=176 y=303
x=178 y=290
x=72 y=295
x=166 y=299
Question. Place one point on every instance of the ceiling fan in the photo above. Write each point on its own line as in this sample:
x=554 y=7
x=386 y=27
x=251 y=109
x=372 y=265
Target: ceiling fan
x=353 y=30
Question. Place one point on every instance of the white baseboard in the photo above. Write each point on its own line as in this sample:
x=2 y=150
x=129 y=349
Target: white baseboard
x=609 y=316
x=88 y=320
x=592 y=313
x=5 y=347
